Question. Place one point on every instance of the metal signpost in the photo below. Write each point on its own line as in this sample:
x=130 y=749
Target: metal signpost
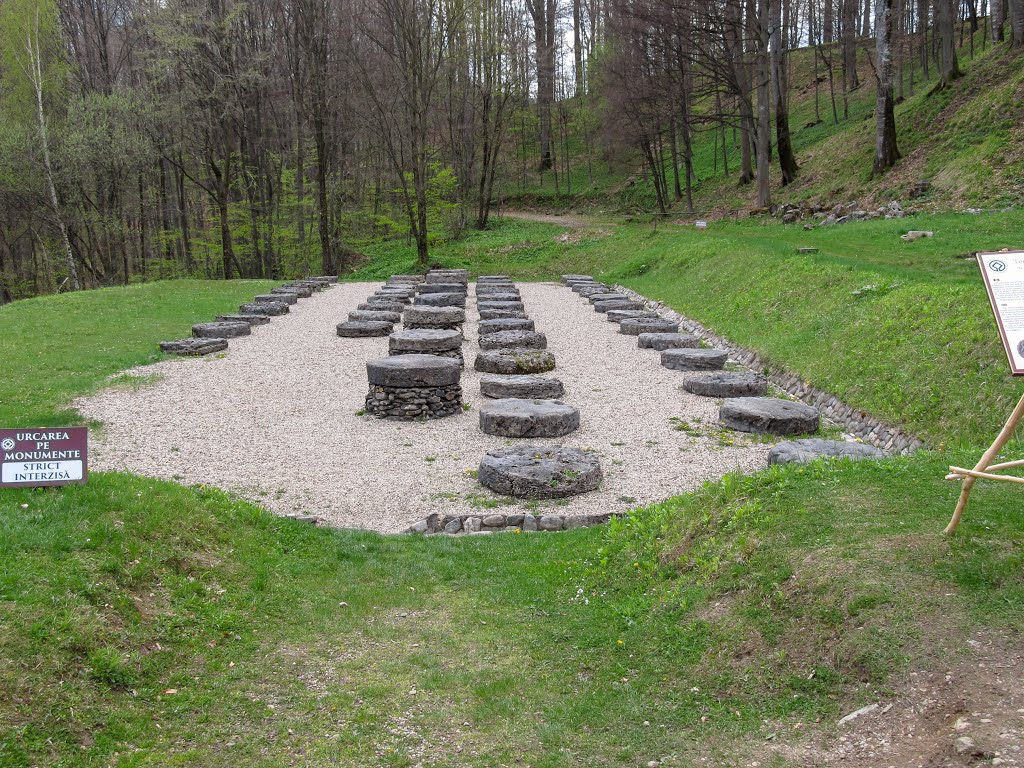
x=30 y=458
x=1003 y=272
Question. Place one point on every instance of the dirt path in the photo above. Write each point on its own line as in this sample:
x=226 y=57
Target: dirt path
x=569 y=220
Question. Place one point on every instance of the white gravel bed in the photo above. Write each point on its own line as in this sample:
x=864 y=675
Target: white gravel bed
x=275 y=420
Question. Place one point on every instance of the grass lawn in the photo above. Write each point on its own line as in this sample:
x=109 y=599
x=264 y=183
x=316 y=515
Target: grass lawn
x=143 y=623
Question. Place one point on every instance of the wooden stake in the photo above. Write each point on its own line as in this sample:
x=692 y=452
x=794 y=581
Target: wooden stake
x=969 y=477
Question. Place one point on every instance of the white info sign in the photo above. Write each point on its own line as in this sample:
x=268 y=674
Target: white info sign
x=1004 y=280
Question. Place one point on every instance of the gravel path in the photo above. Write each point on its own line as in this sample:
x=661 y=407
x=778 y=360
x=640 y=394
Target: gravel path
x=275 y=420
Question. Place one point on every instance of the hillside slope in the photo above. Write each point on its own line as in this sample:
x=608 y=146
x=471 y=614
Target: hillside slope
x=966 y=140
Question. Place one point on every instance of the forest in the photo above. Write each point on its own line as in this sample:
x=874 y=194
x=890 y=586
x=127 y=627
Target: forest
x=150 y=139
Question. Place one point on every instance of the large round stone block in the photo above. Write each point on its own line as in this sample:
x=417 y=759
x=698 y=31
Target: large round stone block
x=490 y=298
x=524 y=387
x=381 y=306
x=539 y=472
x=302 y=291
x=663 y=341
x=575 y=278
x=272 y=308
x=434 y=317
x=505 y=324
x=222 y=330
x=493 y=278
x=607 y=306
x=728 y=384
x=425 y=340
x=694 y=359
x=587 y=290
x=769 y=415
x=374 y=314
x=413 y=371
x=514 y=340
x=528 y=418
x=442 y=288
x=252 y=320
x=811 y=448
x=482 y=305
x=618 y=315
x=499 y=314
x=193 y=347
x=276 y=298
x=634 y=326
x=441 y=300
x=596 y=297
x=359 y=329
x=488 y=289
x=515 y=361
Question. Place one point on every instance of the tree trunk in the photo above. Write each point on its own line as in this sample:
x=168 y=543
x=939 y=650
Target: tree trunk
x=787 y=160
x=998 y=19
x=886 y=152
x=763 y=74
x=1016 y=14
x=949 y=70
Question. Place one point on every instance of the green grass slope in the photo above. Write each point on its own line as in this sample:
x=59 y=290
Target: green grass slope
x=147 y=624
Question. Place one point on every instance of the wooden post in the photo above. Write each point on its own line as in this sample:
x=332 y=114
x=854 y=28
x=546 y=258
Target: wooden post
x=970 y=476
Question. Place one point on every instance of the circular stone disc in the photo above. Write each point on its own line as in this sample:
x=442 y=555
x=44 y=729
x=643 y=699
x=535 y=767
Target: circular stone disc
x=538 y=472
x=618 y=315
x=442 y=288
x=769 y=415
x=414 y=371
x=514 y=340
x=364 y=328
x=694 y=359
x=375 y=314
x=607 y=306
x=728 y=384
x=515 y=361
x=435 y=315
x=273 y=308
x=529 y=387
x=225 y=330
x=505 y=324
x=425 y=340
x=811 y=448
x=280 y=298
x=488 y=304
x=302 y=291
x=663 y=341
x=498 y=314
x=634 y=326
x=441 y=300
x=514 y=417
x=381 y=306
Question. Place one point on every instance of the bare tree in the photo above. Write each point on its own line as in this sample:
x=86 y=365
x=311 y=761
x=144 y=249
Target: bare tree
x=886 y=152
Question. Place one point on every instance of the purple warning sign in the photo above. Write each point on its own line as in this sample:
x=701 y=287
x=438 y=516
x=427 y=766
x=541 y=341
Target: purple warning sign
x=36 y=457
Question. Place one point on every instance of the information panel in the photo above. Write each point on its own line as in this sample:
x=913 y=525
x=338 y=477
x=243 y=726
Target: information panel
x=1004 y=279
x=37 y=457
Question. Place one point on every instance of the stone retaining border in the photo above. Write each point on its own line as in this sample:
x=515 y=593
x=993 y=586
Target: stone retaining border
x=498 y=523
x=891 y=439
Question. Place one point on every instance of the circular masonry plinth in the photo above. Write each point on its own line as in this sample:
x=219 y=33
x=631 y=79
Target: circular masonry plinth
x=252 y=320
x=361 y=329
x=634 y=326
x=278 y=298
x=663 y=341
x=514 y=340
x=449 y=318
x=617 y=304
x=769 y=415
x=381 y=306
x=728 y=384
x=224 y=330
x=375 y=314
x=539 y=472
x=526 y=387
x=193 y=347
x=414 y=386
x=483 y=304
x=618 y=315
x=515 y=361
x=505 y=324
x=271 y=308
x=302 y=291
x=441 y=300
x=515 y=417
x=694 y=359
x=501 y=314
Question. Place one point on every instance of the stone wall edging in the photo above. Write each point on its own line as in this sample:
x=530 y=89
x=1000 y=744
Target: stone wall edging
x=497 y=522
x=890 y=439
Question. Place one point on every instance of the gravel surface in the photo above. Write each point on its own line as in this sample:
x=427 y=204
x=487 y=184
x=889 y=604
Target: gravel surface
x=275 y=420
